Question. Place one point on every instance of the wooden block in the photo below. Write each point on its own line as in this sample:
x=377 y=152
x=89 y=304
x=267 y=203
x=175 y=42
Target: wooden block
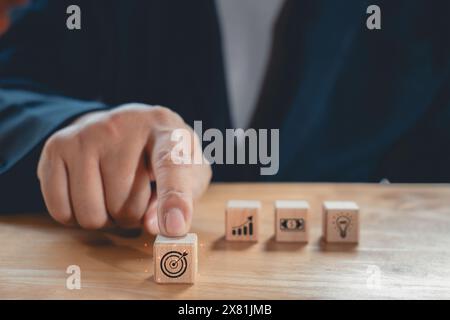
x=291 y=221
x=340 y=221
x=242 y=221
x=175 y=259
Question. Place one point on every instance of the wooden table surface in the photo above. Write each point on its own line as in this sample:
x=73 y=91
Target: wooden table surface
x=404 y=251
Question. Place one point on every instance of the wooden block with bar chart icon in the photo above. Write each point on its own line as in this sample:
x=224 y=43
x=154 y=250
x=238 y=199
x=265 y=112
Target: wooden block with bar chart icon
x=175 y=259
x=291 y=221
x=241 y=220
x=341 y=221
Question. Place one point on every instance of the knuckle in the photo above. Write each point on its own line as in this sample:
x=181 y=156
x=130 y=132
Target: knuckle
x=165 y=116
x=80 y=142
x=171 y=194
x=54 y=145
x=112 y=125
x=170 y=154
x=166 y=160
x=95 y=136
x=163 y=159
x=66 y=143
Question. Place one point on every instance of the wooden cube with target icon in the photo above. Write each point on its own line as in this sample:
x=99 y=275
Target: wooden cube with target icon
x=242 y=220
x=340 y=222
x=175 y=259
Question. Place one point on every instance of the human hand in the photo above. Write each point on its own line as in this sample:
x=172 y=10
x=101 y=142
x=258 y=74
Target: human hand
x=96 y=172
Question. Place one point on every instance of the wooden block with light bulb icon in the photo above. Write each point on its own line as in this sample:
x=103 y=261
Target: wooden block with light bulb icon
x=340 y=222
x=175 y=259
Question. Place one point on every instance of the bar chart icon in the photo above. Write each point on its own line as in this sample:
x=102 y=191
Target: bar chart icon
x=244 y=229
x=242 y=220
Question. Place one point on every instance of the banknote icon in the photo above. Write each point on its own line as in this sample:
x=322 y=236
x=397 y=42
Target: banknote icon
x=292 y=224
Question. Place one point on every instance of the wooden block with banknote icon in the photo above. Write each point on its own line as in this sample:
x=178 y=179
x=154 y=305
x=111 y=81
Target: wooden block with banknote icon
x=175 y=259
x=291 y=221
x=242 y=220
x=341 y=222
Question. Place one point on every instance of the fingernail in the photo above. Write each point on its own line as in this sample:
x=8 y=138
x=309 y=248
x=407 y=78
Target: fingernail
x=175 y=224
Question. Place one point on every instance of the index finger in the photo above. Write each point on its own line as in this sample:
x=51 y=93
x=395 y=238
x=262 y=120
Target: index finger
x=172 y=166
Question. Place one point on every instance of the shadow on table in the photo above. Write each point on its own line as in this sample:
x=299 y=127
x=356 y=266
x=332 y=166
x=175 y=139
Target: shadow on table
x=221 y=244
x=336 y=247
x=169 y=290
x=272 y=245
x=118 y=247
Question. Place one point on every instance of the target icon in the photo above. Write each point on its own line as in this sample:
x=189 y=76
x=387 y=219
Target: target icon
x=174 y=264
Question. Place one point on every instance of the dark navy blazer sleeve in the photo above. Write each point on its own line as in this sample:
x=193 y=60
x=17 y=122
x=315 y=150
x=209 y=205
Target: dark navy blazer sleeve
x=32 y=103
x=27 y=118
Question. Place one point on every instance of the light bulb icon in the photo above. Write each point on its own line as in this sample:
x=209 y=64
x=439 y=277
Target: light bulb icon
x=343 y=223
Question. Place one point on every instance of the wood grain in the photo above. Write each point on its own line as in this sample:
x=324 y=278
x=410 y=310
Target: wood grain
x=405 y=236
